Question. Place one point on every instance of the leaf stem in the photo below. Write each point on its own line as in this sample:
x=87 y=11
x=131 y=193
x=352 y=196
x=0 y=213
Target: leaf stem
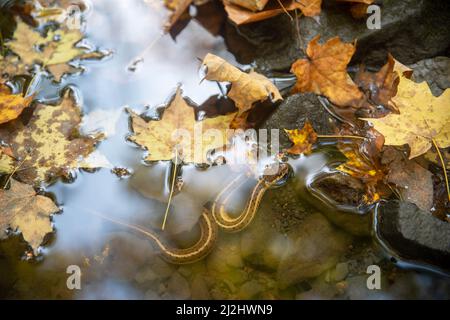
x=340 y=137
x=171 y=191
x=443 y=167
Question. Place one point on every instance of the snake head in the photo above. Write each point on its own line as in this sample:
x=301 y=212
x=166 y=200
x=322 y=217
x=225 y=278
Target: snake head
x=276 y=174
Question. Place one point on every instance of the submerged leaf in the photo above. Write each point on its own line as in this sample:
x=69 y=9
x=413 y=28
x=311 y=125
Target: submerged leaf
x=360 y=167
x=53 y=51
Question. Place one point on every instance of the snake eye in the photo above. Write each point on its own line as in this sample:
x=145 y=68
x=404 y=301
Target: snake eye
x=279 y=177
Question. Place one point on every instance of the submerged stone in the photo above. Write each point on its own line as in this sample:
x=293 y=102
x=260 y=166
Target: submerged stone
x=315 y=247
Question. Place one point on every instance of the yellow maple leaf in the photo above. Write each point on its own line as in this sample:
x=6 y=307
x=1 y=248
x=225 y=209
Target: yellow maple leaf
x=21 y=208
x=303 y=139
x=179 y=132
x=50 y=144
x=53 y=51
x=325 y=72
x=246 y=88
x=6 y=161
x=11 y=105
x=423 y=118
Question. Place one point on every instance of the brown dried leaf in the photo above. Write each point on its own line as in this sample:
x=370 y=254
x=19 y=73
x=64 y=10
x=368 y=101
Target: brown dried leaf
x=241 y=16
x=246 y=88
x=415 y=183
x=325 y=72
x=380 y=86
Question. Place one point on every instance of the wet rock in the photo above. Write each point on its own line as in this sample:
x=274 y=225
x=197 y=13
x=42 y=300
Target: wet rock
x=264 y=241
x=435 y=71
x=271 y=43
x=411 y=30
x=151 y=295
x=413 y=235
x=127 y=254
x=292 y=114
x=363 y=254
x=262 y=247
x=250 y=290
x=199 y=288
x=225 y=265
x=356 y=289
x=339 y=197
x=145 y=275
x=155 y=270
x=161 y=268
x=178 y=288
x=316 y=247
x=340 y=272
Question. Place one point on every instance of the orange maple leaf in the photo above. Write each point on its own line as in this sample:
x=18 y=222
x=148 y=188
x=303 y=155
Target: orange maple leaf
x=325 y=72
x=303 y=139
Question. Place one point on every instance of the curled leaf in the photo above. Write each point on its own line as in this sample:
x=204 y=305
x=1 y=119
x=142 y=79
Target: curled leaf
x=246 y=88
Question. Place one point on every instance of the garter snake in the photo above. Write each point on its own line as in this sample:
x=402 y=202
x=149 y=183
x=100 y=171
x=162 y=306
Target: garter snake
x=213 y=219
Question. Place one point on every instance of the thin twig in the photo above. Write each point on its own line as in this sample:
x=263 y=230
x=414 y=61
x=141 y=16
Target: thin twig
x=340 y=137
x=399 y=196
x=444 y=169
x=140 y=57
x=171 y=190
x=297 y=27
x=14 y=171
x=285 y=10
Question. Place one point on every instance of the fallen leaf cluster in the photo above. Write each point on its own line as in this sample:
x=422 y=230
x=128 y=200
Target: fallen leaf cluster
x=47 y=143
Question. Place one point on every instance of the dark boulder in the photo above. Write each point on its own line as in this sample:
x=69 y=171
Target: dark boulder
x=411 y=30
x=292 y=114
x=413 y=235
x=435 y=71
